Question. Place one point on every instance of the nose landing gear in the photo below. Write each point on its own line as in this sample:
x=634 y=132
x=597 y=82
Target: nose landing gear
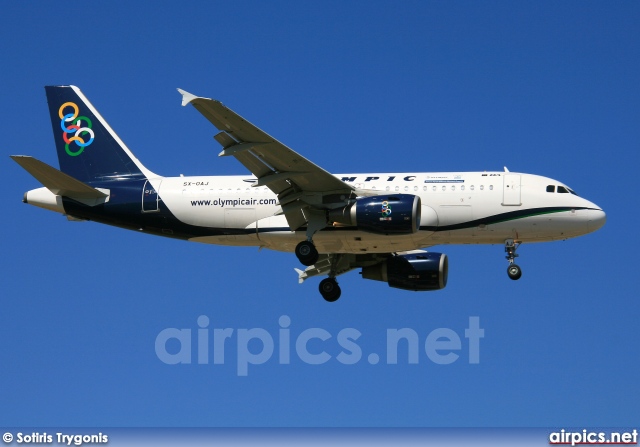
x=514 y=271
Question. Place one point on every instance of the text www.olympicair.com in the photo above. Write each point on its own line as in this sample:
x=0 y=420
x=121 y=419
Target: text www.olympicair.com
x=207 y=345
x=222 y=203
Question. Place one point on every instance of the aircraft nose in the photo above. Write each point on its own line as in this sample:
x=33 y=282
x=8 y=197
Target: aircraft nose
x=597 y=219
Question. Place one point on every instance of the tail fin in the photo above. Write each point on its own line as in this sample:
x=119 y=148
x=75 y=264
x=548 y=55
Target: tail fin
x=88 y=149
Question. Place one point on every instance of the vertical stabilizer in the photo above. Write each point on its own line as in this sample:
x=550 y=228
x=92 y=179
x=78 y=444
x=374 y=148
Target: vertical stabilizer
x=88 y=149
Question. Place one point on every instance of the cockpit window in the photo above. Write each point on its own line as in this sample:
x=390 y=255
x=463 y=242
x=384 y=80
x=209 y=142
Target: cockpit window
x=561 y=189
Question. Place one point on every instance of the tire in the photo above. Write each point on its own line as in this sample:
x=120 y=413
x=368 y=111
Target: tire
x=306 y=253
x=329 y=289
x=514 y=272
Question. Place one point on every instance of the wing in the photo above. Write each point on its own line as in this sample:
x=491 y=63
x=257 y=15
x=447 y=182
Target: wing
x=301 y=186
x=341 y=263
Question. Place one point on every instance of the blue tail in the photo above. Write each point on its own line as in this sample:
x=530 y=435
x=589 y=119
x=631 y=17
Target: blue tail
x=88 y=149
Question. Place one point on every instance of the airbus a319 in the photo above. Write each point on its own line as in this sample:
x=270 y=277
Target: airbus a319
x=378 y=222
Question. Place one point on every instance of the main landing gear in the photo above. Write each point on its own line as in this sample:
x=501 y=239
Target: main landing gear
x=514 y=271
x=307 y=253
x=329 y=289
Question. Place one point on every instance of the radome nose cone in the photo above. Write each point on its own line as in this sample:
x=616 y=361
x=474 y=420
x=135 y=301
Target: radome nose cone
x=597 y=219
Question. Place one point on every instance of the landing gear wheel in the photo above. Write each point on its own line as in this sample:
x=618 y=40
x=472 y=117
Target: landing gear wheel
x=514 y=272
x=307 y=253
x=329 y=289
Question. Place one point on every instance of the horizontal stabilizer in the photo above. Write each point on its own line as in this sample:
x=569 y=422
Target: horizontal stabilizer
x=56 y=181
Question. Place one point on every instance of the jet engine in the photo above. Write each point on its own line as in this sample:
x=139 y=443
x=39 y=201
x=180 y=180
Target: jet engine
x=419 y=272
x=388 y=214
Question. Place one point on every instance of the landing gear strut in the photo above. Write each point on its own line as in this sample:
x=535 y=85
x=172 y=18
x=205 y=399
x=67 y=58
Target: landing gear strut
x=329 y=289
x=307 y=253
x=514 y=271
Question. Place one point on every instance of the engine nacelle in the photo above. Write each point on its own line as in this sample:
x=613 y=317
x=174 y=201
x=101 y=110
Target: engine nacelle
x=423 y=271
x=388 y=214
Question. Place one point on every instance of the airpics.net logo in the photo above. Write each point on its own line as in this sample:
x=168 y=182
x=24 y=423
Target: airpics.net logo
x=313 y=346
x=80 y=127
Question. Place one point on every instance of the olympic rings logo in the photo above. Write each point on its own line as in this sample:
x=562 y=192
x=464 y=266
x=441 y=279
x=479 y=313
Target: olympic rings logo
x=386 y=211
x=76 y=127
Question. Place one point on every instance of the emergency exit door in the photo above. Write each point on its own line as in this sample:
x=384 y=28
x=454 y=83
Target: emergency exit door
x=511 y=190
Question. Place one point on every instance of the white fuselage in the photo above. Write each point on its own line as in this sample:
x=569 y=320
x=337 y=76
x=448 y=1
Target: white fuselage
x=457 y=208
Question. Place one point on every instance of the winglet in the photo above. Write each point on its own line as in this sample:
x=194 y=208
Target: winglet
x=301 y=275
x=186 y=97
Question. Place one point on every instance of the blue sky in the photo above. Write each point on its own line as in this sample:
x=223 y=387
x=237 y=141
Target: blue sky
x=549 y=88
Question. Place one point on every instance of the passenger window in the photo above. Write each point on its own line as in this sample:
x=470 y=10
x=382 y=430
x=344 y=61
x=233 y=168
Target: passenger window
x=397 y=188
x=472 y=187
x=563 y=190
x=415 y=188
x=406 y=188
x=481 y=187
x=462 y=188
x=424 y=188
x=453 y=187
x=491 y=187
x=551 y=188
x=387 y=188
x=434 y=188
x=444 y=188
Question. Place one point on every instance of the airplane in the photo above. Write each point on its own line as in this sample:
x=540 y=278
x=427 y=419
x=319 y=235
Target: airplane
x=378 y=222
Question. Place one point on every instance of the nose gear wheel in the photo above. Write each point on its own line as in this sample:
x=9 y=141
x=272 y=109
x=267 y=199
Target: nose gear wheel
x=514 y=271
